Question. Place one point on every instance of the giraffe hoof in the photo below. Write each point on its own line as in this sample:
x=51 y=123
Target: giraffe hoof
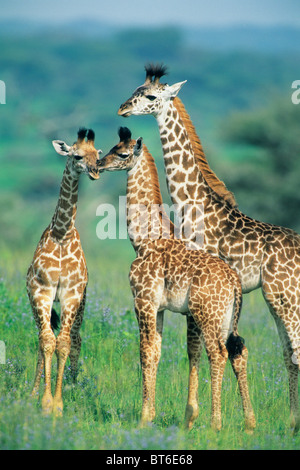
x=249 y=431
x=58 y=408
x=58 y=412
x=191 y=414
x=216 y=426
x=47 y=410
x=188 y=425
x=250 y=425
x=34 y=394
x=47 y=405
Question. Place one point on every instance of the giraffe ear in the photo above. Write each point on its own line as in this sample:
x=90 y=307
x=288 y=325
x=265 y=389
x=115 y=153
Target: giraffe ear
x=61 y=147
x=138 y=146
x=173 y=90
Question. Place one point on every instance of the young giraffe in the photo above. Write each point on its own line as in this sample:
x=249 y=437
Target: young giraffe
x=58 y=272
x=262 y=254
x=166 y=275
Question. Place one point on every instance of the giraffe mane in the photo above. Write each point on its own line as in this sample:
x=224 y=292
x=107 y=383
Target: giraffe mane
x=210 y=177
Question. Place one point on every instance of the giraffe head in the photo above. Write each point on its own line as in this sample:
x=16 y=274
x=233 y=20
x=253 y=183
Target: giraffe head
x=83 y=156
x=124 y=155
x=152 y=97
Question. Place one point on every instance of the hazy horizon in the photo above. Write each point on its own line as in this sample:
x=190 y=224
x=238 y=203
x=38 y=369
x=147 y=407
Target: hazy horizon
x=191 y=13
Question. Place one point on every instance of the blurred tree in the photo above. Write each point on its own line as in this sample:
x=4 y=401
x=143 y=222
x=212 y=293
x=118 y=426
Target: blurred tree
x=152 y=43
x=268 y=184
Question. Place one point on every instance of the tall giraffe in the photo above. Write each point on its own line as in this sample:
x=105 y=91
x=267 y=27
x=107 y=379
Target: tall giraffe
x=58 y=272
x=166 y=275
x=263 y=255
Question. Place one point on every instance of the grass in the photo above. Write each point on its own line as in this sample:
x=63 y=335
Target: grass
x=102 y=411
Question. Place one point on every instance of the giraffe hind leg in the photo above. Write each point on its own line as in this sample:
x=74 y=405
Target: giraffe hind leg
x=238 y=356
x=194 y=347
x=71 y=314
x=76 y=339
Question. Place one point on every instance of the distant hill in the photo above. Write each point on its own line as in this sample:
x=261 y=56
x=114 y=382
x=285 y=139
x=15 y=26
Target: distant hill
x=279 y=39
x=251 y=38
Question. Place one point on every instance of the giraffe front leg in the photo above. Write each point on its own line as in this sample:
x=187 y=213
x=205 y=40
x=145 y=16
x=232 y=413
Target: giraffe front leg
x=293 y=373
x=76 y=339
x=194 y=346
x=286 y=315
x=286 y=330
x=62 y=352
x=150 y=348
x=70 y=310
x=38 y=373
x=48 y=342
x=41 y=303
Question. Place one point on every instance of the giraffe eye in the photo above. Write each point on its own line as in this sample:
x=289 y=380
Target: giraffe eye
x=78 y=157
x=123 y=155
x=151 y=97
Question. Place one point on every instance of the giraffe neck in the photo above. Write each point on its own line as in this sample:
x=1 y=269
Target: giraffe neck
x=185 y=162
x=184 y=182
x=193 y=186
x=188 y=189
x=146 y=217
x=63 y=221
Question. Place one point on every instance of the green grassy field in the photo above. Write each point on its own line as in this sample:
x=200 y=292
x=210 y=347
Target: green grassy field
x=102 y=411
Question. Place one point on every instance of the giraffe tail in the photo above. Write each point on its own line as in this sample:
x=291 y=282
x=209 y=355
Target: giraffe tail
x=54 y=320
x=235 y=343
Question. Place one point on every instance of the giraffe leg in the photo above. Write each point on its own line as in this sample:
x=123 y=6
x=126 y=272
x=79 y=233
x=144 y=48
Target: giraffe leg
x=157 y=354
x=217 y=361
x=239 y=364
x=194 y=346
x=217 y=356
x=48 y=342
x=150 y=348
x=38 y=373
x=293 y=368
x=70 y=308
x=76 y=339
x=287 y=320
x=41 y=303
x=293 y=372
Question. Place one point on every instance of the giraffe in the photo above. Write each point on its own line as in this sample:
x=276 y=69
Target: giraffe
x=264 y=256
x=58 y=272
x=166 y=275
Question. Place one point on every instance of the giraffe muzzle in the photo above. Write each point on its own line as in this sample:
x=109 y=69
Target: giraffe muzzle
x=94 y=174
x=124 y=110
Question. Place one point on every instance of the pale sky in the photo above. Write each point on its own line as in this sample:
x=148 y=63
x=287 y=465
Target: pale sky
x=157 y=12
